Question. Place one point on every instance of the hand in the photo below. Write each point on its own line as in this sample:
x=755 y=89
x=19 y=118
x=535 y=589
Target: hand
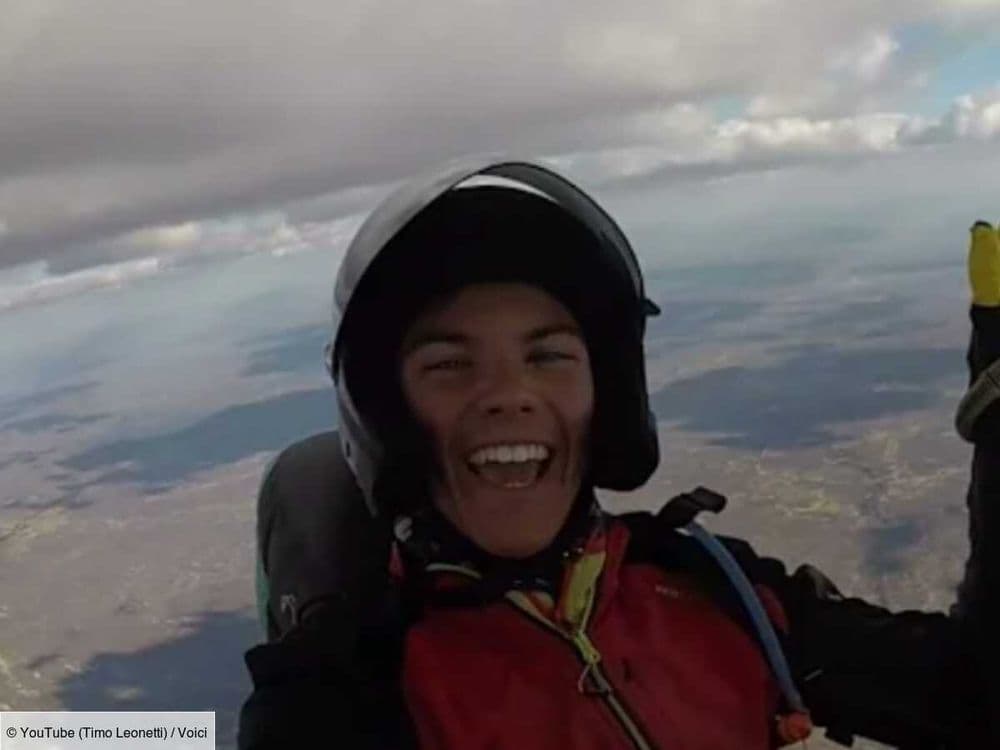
x=324 y=556
x=978 y=416
x=984 y=265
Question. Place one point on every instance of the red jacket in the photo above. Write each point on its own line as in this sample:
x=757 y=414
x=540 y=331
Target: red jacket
x=629 y=656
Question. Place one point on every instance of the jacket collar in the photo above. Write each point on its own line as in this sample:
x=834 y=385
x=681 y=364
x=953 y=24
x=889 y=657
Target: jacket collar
x=428 y=542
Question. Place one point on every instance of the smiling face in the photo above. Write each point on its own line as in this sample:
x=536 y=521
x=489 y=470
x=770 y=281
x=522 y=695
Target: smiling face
x=500 y=378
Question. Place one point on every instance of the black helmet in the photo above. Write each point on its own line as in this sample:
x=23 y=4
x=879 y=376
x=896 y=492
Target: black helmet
x=443 y=231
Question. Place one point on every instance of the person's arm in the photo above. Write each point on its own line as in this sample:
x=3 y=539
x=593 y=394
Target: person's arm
x=310 y=690
x=909 y=679
x=982 y=571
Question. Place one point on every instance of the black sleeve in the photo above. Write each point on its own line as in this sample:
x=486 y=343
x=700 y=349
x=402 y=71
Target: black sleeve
x=310 y=691
x=298 y=703
x=977 y=595
x=907 y=679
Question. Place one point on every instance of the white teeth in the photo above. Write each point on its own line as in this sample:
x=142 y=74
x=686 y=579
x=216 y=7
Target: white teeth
x=506 y=454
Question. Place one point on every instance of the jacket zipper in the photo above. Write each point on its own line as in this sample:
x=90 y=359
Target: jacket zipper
x=591 y=658
x=585 y=650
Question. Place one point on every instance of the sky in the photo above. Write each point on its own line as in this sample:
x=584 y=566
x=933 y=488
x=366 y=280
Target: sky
x=137 y=135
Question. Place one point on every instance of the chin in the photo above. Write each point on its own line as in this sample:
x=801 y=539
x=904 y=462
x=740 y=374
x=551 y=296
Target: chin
x=509 y=526
x=516 y=548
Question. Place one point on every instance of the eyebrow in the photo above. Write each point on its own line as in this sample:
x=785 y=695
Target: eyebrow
x=426 y=338
x=430 y=337
x=556 y=329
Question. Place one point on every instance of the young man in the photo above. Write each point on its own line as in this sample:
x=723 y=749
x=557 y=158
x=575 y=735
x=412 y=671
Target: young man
x=455 y=584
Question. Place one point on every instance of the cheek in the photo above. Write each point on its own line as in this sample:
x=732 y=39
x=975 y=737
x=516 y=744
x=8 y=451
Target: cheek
x=435 y=412
x=577 y=407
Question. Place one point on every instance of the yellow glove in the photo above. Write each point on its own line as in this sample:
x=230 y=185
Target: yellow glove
x=984 y=265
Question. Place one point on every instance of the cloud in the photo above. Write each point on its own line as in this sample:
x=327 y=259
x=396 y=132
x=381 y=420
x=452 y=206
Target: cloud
x=33 y=283
x=869 y=59
x=797 y=134
x=704 y=148
x=974 y=117
x=169 y=238
x=180 y=112
x=42 y=281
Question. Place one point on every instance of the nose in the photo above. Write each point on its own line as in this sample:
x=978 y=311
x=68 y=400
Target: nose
x=507 y=392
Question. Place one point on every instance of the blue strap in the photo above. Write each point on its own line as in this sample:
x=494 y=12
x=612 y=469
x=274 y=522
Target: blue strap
x=761 y=622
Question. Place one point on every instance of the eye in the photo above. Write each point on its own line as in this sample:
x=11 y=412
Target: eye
x=545 y=356
x=449 y=364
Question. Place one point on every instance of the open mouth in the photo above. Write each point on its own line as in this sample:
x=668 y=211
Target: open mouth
x=510 y=466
